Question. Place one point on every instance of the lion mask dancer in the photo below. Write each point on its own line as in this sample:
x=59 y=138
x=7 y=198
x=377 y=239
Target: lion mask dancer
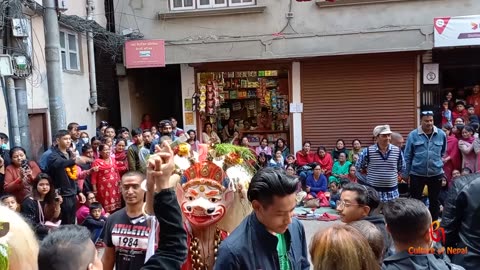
x=204 y=197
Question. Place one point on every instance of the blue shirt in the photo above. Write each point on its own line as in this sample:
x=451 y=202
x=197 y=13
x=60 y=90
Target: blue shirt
x=423 y=155
x=316 y=186
x=43 y=162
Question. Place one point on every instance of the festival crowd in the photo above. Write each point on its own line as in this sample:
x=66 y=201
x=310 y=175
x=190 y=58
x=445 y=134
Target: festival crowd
x=114 y=191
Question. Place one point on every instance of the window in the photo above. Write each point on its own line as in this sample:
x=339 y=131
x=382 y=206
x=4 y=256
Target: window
x=211 y=3
x=182 y=4
x=240 y=2
x=205 y=4
x=69 y=51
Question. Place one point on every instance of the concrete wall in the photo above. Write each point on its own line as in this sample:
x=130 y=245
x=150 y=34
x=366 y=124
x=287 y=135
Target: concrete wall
x=395 y=26
x=76 y=85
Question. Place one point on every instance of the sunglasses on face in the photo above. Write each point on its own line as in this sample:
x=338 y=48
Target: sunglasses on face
x=427 y=113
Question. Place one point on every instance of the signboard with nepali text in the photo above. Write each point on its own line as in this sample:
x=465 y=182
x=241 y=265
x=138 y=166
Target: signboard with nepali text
x=144 y=53
x=457 y=31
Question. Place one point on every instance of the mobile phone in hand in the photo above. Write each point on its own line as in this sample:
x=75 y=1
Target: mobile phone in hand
x=57 y=193
x=24 y=164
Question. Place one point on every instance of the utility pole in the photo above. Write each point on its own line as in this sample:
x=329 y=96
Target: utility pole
x=91 y=60
x=23 y=121
x=54 y=67
x=12 y=107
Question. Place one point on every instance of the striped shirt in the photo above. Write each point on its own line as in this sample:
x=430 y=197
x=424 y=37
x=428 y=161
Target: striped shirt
x=381 y=170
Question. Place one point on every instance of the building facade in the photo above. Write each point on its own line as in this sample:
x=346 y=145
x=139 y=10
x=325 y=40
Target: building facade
x=351 y=64
x=75 y=76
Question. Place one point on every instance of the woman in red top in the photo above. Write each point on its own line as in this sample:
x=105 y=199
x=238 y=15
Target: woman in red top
x=106 y=181
x=452 y=160
x=325 y=160
x=121 y=156
x=19 y=175
x=146 y=122
x=305 y=156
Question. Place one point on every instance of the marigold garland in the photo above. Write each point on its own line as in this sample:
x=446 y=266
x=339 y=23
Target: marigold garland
x=72 y=172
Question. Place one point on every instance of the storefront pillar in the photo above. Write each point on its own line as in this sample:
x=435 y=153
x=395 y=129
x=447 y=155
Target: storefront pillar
x=188 y=89
x=296 y=117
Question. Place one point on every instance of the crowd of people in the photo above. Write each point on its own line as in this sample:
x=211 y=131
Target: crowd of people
x=98 y=184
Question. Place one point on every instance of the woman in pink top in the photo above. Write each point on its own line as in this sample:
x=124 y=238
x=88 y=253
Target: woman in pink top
x=465 y=144
x=264 y=148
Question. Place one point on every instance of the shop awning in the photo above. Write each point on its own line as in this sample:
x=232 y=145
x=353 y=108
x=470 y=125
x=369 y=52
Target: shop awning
x=457 y=31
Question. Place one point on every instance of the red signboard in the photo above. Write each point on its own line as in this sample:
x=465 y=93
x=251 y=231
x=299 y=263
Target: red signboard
x=144 y=53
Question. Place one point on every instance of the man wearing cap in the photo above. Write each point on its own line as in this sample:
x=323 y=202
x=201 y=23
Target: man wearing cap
x=379 y=164
x=165 y=128
x=424 y=150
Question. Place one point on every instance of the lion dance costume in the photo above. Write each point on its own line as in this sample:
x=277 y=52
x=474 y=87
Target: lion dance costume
x=212 y=203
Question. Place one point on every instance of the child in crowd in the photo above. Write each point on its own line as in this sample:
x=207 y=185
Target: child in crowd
x=236 y=138
x=472 y=118
x=9 y=201
x=95 y=221
x=84 y=210
x=335 y=192
x=290 y=160
x=446 y=113
x=277 y=160
x=355 y=157
x=455 y=174
x=460 y=112
x=466 y=171
x=442 y=197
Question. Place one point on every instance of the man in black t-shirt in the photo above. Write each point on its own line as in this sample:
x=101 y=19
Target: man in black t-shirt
x=126 y=231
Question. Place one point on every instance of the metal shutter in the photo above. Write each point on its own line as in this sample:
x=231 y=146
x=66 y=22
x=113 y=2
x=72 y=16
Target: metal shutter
x=347 y=96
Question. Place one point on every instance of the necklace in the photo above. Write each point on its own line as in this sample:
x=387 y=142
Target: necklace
x=198 y=261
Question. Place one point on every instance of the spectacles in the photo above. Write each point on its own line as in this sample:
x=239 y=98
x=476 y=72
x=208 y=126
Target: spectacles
x=427 y=113
x=342 y=204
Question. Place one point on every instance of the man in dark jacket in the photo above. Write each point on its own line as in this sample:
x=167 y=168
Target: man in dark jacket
x=409 y=223
x=268 y=238
x=59 y=160
x=461 y=222
x=161 y=199
x=359 y=202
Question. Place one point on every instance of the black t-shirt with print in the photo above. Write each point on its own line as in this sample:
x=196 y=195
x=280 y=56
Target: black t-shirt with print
x=129 y=237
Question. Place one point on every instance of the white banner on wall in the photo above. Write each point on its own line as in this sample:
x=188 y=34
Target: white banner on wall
x=457 y=31
x=430 y=74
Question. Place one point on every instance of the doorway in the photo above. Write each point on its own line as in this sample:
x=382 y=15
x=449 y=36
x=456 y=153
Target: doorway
x=159 y=92
x=38 y=132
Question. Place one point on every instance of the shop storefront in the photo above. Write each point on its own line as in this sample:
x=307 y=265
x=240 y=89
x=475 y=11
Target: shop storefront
x=456 y=58
x=255 y=95
x=345 y=97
